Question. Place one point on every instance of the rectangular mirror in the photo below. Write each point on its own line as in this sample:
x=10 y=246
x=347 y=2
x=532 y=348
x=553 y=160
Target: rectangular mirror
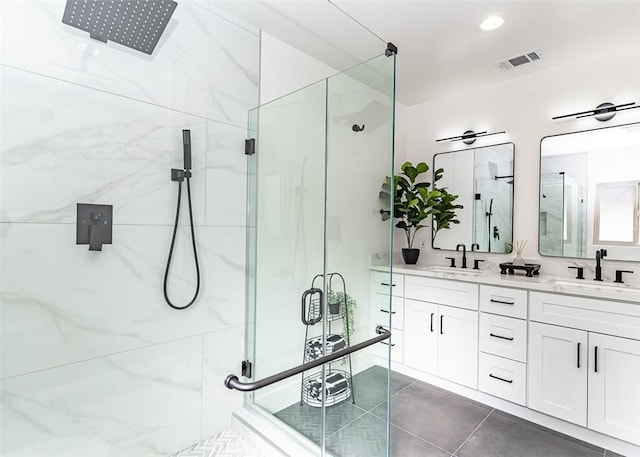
x=483 y=180
x=590 y=193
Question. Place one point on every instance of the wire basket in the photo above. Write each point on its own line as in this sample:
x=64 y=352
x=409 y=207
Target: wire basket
x=313 y=346
x=337 y=387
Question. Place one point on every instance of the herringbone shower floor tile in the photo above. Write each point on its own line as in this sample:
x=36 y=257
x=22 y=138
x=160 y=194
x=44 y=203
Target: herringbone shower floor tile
x=224 y=444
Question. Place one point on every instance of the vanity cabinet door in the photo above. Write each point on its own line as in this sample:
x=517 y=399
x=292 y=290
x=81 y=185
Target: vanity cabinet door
x=558 y=372
x=421 y=335
x=458 y=346
x=614 y=389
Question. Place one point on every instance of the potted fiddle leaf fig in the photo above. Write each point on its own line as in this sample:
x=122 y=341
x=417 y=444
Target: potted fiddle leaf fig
x=414 y=202
x=443 y=207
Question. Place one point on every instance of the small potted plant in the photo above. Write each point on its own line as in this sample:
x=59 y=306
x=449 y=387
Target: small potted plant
x=339 y=302
x=413 y=202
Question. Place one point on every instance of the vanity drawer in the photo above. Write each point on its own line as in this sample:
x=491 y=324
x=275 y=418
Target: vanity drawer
x=502 y=378
x=381 y=311
x=381 y=349
x=503 y=336
x=503 y=300
x=595 y=315
x=442 y=291
x=381 y=283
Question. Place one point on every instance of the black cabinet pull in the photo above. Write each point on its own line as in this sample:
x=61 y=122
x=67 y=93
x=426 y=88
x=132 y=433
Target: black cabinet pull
x=500 y=379
x=501 y=337
x=501 y=302
x=578 y=355
x=432 y=321
x=387 y=284
x=389 y=312
x=441 y=326
x=595 y=359
x=392 y=344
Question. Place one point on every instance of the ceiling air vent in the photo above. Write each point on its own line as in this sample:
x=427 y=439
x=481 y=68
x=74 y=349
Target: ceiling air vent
x=516 y=61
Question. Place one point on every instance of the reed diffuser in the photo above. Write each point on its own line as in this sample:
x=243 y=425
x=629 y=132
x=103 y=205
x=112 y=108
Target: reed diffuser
x=519 y=247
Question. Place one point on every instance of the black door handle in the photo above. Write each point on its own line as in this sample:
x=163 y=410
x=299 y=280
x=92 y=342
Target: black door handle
x=311 y=320
x=595 y=359
x=441 y=326
x=578 y=355
x=432 y=321
x=385 y=311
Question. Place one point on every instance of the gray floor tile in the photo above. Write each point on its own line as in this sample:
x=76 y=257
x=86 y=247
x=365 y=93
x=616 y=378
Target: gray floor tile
x=502 y=435
x=443 y=419
x=370 y=386
x=308 y=420
x=404 y=444
x=366 y=437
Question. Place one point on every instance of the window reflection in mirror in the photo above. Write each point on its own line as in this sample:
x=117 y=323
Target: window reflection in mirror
x=483 y=179
x=590 y=192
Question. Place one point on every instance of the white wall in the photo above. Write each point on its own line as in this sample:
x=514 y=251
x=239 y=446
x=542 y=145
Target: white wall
x=94 y=362
x=523 y=107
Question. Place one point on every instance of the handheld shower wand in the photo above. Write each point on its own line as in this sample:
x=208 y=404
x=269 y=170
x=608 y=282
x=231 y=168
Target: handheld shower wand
x=179 y=176
x=186 y=144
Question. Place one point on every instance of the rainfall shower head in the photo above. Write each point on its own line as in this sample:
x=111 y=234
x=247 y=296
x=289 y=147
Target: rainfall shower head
x=137 y=24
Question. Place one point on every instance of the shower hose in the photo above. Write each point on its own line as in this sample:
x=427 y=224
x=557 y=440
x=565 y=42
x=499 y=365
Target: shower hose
x=187 y=175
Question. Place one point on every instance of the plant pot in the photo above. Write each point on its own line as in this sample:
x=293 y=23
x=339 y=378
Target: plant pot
x=334 y=308
x=410 y=256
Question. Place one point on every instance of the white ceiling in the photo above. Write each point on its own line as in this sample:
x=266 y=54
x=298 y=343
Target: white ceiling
x=441 y=49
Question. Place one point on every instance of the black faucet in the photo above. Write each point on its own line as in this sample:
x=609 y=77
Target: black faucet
x=475 y=247
x=619 y=275
x=579 y=272
x=600 y=254
x=464 y=254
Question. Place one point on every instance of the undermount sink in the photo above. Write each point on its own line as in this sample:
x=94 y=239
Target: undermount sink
x=458 y=271
x=594 y=285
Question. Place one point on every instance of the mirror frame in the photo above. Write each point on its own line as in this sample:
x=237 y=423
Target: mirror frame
x=540 y=191
x=513 y=166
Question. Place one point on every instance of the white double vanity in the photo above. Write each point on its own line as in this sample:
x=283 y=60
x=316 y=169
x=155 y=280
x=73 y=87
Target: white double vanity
x=523 y=345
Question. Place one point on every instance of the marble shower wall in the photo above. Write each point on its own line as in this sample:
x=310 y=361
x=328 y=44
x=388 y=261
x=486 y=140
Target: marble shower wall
x=93 y=362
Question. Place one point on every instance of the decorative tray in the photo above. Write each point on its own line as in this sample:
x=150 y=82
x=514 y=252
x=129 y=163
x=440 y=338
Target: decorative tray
x=530 y=268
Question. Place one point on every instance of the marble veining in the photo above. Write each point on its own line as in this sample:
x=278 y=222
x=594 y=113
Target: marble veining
x=191 y=53
x=107 y=403
x=103 y=149
x=88 y=304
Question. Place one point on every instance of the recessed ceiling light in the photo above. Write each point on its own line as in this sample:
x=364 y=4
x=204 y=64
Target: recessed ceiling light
x=491 y=22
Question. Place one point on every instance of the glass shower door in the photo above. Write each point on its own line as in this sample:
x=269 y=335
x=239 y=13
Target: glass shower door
x=360 y=122
x=314 y=232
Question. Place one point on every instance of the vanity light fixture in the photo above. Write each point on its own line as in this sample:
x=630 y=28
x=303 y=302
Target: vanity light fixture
x=492 y=22
x=468 y=137
x=602 y=112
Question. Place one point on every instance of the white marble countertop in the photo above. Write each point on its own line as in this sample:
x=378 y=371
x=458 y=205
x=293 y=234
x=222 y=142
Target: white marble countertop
x=541 y=283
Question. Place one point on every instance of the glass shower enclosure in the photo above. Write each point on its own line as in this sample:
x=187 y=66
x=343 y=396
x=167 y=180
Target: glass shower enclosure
x=314 y=235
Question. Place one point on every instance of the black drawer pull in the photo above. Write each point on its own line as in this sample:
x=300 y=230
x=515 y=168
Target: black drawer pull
x=501 y=337
x=392 y=344
x=441 y=324
x=502 y=302
x=500 y=379
x=385 y=311
x=595 y=359
x=578 y=355
x=387 y=284
x=432 y=321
